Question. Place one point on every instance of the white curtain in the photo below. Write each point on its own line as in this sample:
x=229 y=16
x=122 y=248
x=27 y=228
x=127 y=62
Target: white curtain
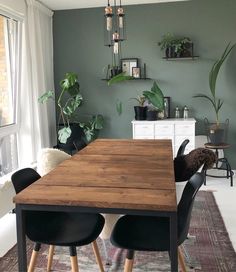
x=37 y=121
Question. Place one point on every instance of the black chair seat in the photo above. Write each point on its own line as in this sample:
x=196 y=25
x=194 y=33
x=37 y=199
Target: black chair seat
x=142 y=233
x=63 y=229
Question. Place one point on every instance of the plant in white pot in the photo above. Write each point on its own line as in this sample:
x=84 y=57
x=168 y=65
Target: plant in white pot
x=216 y=130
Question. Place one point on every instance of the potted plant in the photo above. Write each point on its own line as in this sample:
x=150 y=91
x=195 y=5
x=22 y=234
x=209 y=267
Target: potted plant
x=156 y=98
x=216 y=130
x=70 y=132
x=68 y=102
x=176 y=46
x=141 y=109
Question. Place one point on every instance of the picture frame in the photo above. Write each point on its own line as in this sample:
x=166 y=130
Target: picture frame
x=136 y=72
x=128 y=64
x=167 y=106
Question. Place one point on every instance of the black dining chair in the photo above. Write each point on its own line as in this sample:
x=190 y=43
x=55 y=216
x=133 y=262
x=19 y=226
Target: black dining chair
x=182 y=148
x=151 y=233
x=70 y=229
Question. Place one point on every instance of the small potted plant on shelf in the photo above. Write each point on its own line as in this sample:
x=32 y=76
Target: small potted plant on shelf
x=156 y=99
x=176 y=47
x=141 y=109
x=216 y=131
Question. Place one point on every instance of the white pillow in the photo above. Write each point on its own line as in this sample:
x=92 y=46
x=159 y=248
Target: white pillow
x=49 y=158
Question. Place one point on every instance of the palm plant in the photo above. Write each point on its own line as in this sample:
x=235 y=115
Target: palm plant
x=216 y=102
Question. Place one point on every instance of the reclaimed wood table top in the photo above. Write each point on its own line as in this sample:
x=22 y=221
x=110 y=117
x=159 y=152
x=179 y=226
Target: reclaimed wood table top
x=109 y=173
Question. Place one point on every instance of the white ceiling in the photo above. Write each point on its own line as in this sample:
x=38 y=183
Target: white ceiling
x=76 y=4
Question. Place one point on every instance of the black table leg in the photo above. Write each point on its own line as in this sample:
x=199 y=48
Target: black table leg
x=21 y=239
x=173 y=242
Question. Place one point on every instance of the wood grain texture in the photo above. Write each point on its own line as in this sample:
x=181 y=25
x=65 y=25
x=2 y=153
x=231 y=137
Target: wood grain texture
x=122 y=174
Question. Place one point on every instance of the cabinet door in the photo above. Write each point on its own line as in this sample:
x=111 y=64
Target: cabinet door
x=185 y=129
x=143 y=131
x=164 y=130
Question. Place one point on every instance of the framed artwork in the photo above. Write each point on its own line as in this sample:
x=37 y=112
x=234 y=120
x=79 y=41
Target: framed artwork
x=136 y=72
x=167 y=106
x=127 y=65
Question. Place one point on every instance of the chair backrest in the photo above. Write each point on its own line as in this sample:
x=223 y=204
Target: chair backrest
x=182 y=147
x=187 y=165
x=185 y=205
x=23 y=178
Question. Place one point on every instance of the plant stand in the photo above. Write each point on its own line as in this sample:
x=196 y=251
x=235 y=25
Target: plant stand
x=225 y=166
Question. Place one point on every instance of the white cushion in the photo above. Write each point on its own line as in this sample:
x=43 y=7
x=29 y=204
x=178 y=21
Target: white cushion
x=7 y=192
x=49 y=158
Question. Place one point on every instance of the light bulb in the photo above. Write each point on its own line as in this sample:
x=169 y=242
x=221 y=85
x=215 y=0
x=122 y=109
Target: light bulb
x=116 y=48
x=108 y=14
x=120 y=13
x=115 y=38
x=109 y=23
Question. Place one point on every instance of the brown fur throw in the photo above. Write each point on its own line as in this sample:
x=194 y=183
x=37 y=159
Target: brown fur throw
x=187 y=165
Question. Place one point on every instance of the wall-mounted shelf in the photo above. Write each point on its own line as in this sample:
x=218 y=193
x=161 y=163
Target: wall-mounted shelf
x=147 y=78
x=182 y=58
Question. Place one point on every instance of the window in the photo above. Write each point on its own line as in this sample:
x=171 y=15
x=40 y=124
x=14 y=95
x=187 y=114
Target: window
x=9 y=63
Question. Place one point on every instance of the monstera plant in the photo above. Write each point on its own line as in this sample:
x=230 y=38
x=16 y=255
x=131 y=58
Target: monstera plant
x=68 y=102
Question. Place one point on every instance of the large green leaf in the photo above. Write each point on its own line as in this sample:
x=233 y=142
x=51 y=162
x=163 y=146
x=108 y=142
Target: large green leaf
x=63 y=134
x=155 y=97
x=208 y=98
x=72 y=104
x=47 y=95
x=69 y=80
x=119 y=78
x=216 y=68
x=119 y=107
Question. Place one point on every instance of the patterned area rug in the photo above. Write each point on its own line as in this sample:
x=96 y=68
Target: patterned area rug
x=208 y=248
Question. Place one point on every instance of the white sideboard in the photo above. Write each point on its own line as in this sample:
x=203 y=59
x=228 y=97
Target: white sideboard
x=175 y=129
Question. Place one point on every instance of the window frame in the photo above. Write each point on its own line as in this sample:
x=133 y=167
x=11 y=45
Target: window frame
x=14 y=128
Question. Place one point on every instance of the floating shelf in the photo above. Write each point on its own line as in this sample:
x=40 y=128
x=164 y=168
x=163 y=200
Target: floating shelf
x=184 y=58
x=146 y=78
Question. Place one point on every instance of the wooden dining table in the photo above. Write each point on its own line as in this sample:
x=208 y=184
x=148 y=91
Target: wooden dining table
x=122 y=176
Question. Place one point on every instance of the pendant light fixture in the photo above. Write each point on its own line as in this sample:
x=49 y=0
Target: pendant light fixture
x=114 y=30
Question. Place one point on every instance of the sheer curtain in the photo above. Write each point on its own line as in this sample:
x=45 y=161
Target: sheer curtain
x=38 y=122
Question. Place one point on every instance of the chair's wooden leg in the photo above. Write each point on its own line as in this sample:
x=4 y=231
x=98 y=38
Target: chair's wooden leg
x=74 y=260
x=50 y=257
x=97 y=255
x=34 y=257
x=129 y=261
x=181 y=261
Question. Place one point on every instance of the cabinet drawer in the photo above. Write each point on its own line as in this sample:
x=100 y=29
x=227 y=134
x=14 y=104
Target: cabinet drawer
x=167 y=129
x=143 y=130
x=188 y=129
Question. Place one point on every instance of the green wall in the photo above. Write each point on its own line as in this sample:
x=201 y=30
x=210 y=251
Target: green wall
x=211 y=24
